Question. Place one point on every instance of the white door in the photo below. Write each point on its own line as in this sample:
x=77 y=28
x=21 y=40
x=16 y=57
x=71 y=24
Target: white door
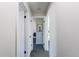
x=39 y=37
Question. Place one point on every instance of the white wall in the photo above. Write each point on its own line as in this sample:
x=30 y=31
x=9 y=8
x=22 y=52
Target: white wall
x=52 y=30
x=8 y=17
x=34 y=25
x=45 y=33
x=20 y=43
x=64 y=22
x=67 y=20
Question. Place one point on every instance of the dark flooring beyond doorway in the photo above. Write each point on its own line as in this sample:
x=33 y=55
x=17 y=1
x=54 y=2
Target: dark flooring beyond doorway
x=39 y=52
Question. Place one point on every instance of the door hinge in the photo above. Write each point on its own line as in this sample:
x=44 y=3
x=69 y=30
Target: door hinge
x=24 y=52
x=25 y=17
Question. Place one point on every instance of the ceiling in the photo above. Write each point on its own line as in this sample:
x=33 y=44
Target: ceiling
x=38 y=8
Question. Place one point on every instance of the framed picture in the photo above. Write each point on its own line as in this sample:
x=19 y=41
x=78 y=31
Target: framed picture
x=39 y=28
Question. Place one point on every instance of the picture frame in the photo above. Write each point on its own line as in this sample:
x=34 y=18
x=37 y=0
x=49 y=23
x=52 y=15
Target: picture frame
x=39 y=27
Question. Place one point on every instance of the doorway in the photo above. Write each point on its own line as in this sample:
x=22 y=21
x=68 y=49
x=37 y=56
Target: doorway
x=35 y=35
x=38 y=33
x=38 y=41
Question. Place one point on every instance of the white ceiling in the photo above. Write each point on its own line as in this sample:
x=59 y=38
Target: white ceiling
x=38 y=8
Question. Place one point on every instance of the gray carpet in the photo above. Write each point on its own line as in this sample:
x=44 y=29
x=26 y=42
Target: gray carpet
x=39 y=52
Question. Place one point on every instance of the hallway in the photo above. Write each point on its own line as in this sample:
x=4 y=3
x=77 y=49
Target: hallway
x=56 y=25
x=39 y=52
x=34 y=27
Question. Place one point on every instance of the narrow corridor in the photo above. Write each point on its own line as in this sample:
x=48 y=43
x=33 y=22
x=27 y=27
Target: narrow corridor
x=33 y=29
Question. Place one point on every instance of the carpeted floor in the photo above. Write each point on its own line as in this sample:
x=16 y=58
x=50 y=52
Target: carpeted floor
x=39 y=52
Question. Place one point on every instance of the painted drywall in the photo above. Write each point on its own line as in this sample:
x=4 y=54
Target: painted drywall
x=20 y=44
x=52 y=30
x=67 y=20
x=45 y=33
x=8 y=17
x=64 y=29
x=34 y=25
